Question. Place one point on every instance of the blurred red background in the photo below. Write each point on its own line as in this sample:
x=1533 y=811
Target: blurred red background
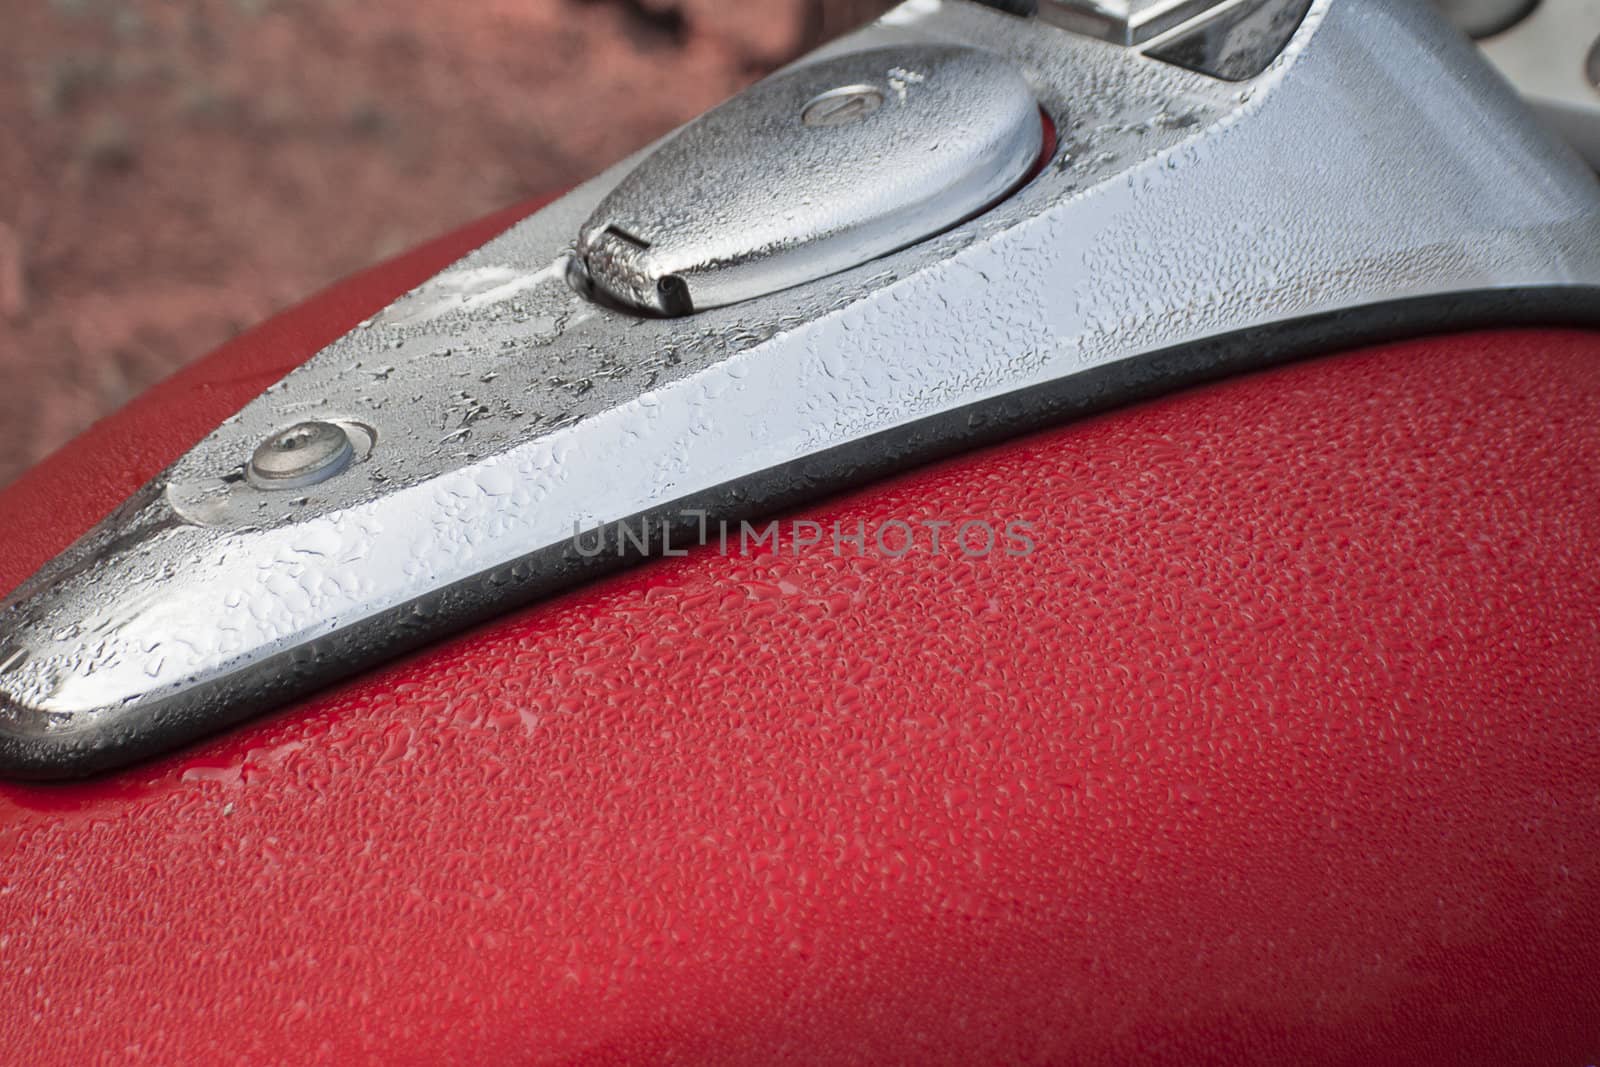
x=173 y=172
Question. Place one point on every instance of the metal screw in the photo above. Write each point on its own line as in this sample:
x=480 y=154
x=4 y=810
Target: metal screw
x=841 y=107
x=302 y=455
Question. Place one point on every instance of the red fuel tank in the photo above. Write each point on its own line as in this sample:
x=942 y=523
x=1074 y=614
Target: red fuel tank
x=1277 y=744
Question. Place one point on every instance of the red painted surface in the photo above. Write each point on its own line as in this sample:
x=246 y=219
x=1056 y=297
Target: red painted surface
x=1280 y=748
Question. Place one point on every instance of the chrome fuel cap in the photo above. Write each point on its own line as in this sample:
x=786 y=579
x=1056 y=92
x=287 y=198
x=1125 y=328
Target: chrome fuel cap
x=816 y=170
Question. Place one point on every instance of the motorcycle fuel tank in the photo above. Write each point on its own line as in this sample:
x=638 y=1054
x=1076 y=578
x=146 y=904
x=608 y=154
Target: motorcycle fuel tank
x=1152 y=618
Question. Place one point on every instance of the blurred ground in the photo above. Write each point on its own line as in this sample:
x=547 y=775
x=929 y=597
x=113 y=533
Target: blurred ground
x=173 y=171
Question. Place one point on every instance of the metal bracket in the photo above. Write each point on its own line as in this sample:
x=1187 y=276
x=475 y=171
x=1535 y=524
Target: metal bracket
x=1376 y=179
